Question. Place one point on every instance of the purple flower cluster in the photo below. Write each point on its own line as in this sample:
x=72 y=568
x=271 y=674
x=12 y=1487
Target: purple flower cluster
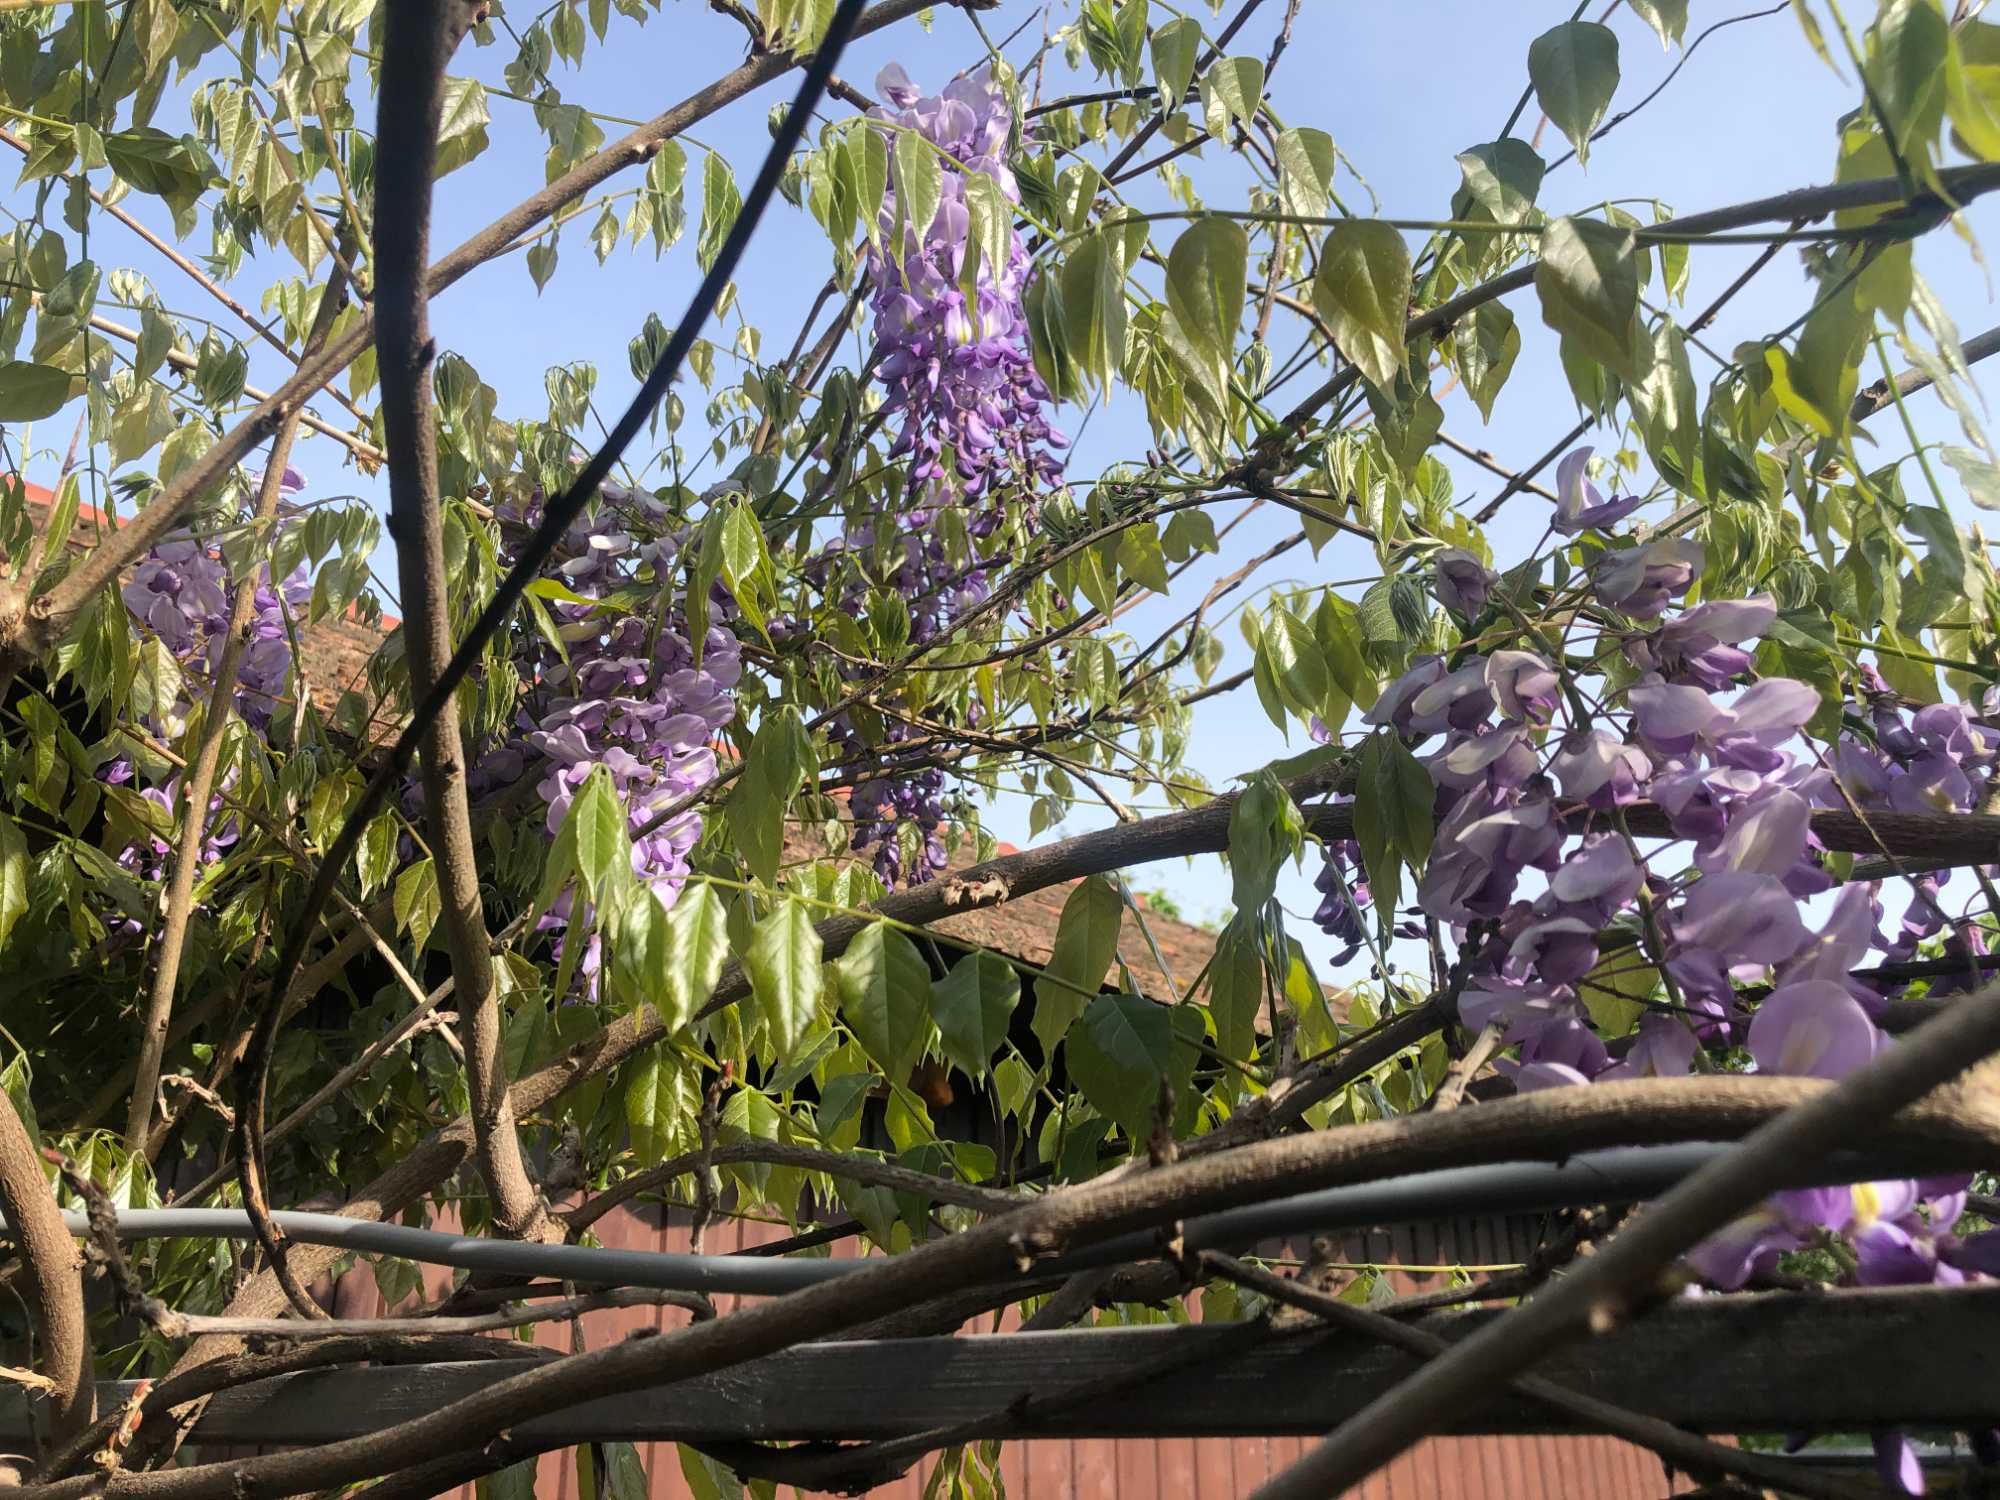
x=1531 y=776
x=181 y=592
x=625 y=693
x=882 y=806
x=974 y=412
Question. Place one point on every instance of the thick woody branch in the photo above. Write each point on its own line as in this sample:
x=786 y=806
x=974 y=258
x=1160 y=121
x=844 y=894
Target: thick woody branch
x=1205 y=830
x=54 y=1279
x=1955 y=1127
x=165 y=1396
x=421 y=37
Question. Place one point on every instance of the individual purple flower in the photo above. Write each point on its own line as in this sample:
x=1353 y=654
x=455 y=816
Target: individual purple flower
x=1662 y=1047
x=1523 y=686
x=1600 y=771
x=1670 y=718
x=1700 y=646
x=1501 y=758
x=1744 y=1248
x=1766 y=835
x=1461 y=582
x=1896 y=1462
x=1599 y=878
x=1579 y=507
x=1561 y=950
x=1642 y=581
x=1763 y=717
x=1812 y=1029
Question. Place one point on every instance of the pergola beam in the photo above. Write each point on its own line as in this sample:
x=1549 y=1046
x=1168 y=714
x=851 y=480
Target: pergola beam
x=1780 y=1362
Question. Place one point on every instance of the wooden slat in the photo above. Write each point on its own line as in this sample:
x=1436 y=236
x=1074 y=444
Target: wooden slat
x=1879 y=1358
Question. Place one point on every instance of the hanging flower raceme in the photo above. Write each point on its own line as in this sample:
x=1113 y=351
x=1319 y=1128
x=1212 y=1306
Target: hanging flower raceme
x=625 y=692
x=974 y=414
x=973 y=421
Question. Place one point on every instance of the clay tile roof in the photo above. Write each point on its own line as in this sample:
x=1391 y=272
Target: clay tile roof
x=1026 y=929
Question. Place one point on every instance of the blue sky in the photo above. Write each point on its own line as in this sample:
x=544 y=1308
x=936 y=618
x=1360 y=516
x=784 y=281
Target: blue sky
x=1401 y=88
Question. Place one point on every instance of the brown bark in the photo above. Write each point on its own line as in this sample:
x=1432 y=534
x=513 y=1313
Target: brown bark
x=54 y=1277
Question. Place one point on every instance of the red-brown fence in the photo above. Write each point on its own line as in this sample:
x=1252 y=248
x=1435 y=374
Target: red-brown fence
x=1524 y=1467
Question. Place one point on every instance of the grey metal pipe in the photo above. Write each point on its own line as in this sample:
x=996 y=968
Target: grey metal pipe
x=1622 y=1174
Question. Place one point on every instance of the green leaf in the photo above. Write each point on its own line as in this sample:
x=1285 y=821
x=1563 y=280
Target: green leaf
x=698 y=946
x=1816 y=381
x=1265 y=830
x=603 y=844
x=780 y=762
x=1574 y=68
x=1236 y=990
x=1140 y=557
x=154 y=162
x=1501 y=178
x=1086 y=943
x=1096 y=671
x=1909 y=42
x=1188 y=532
x=885 y=989
x=462 y=131
x=1487 y=343
x=1666 y=405
x=1305 y=172
x=919 y=181
x=783 y=962
x=1119 y=1050
x=1232 y=89
x=1668 y=17
x=971 y=1006
x=658 y=1099
x=417 y=904
x=375 y=859
x=720 y=204
x=1175 y=46
x=1980 y=477
x=13 y=876
x=1616 y=991
x=1588 y=280
x=1093 y=295
x=989 y=218
x=1363 y=292
x=30 y=391
x=1207 y=272
x=542 y=261
x=1393 y=802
